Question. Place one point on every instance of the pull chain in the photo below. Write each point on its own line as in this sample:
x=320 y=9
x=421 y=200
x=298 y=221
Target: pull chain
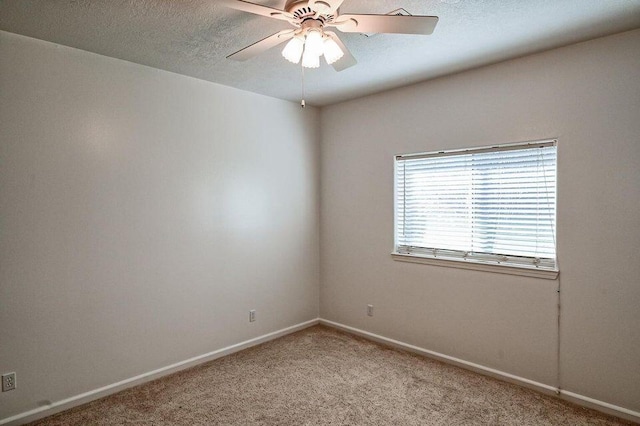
x=302 y=103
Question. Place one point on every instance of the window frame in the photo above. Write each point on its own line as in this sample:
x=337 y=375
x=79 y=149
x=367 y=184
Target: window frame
x=468 y=263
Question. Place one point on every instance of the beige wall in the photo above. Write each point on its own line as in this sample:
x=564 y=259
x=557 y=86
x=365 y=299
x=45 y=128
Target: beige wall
x=142 y=214
x=586 y=95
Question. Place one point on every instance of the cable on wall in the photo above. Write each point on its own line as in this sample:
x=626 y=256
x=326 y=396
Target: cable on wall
x=559 y=377
x=558 y=291
x=302 y=102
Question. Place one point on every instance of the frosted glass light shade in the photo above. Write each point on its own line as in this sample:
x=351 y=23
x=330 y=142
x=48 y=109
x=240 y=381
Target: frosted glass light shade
x=314 y=44
x=332 y=51
x=292 y=52
x=310 y=59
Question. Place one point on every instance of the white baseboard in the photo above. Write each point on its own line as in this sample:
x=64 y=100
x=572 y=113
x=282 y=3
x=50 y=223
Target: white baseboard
x=582 y=400
x=74 y=401
x=601 y=406
x=83 y=398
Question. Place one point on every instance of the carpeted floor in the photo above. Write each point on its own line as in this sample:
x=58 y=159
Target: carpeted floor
x=320 y=376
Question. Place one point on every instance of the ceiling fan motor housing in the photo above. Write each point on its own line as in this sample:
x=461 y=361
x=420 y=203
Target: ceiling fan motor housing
x=301 y=10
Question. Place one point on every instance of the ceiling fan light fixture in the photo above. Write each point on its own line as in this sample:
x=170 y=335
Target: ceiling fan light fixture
x=332 y=52
x=292 y=52
x=310 y=59
x=314 y=43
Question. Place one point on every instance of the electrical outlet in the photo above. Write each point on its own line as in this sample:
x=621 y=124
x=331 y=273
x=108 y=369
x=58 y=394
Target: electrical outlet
x=8 y=382
x=252 y=316
x=370 y=310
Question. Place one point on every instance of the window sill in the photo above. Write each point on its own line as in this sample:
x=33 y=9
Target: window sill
x=478 y=266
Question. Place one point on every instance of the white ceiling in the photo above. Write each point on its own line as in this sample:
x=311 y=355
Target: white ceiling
x=193 y=37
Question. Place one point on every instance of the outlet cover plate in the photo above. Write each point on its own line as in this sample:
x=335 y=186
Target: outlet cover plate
x=8 y=382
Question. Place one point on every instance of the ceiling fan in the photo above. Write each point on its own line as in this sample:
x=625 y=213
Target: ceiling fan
x=309 y=39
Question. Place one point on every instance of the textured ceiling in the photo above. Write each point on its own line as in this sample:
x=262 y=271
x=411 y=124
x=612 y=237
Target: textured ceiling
x=193 y=37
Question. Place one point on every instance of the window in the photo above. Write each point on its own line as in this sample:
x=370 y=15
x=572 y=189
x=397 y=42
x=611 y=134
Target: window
x=487 y=206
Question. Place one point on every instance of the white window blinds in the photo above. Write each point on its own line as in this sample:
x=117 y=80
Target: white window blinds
x=489 y=205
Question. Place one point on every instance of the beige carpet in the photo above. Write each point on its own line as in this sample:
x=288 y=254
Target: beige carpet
x=320 y=376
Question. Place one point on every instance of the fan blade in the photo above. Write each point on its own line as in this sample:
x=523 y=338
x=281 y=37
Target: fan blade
x=397 y=24
x=347 y=60
x=259 y=9
x=262 y=45
x=325 y=7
